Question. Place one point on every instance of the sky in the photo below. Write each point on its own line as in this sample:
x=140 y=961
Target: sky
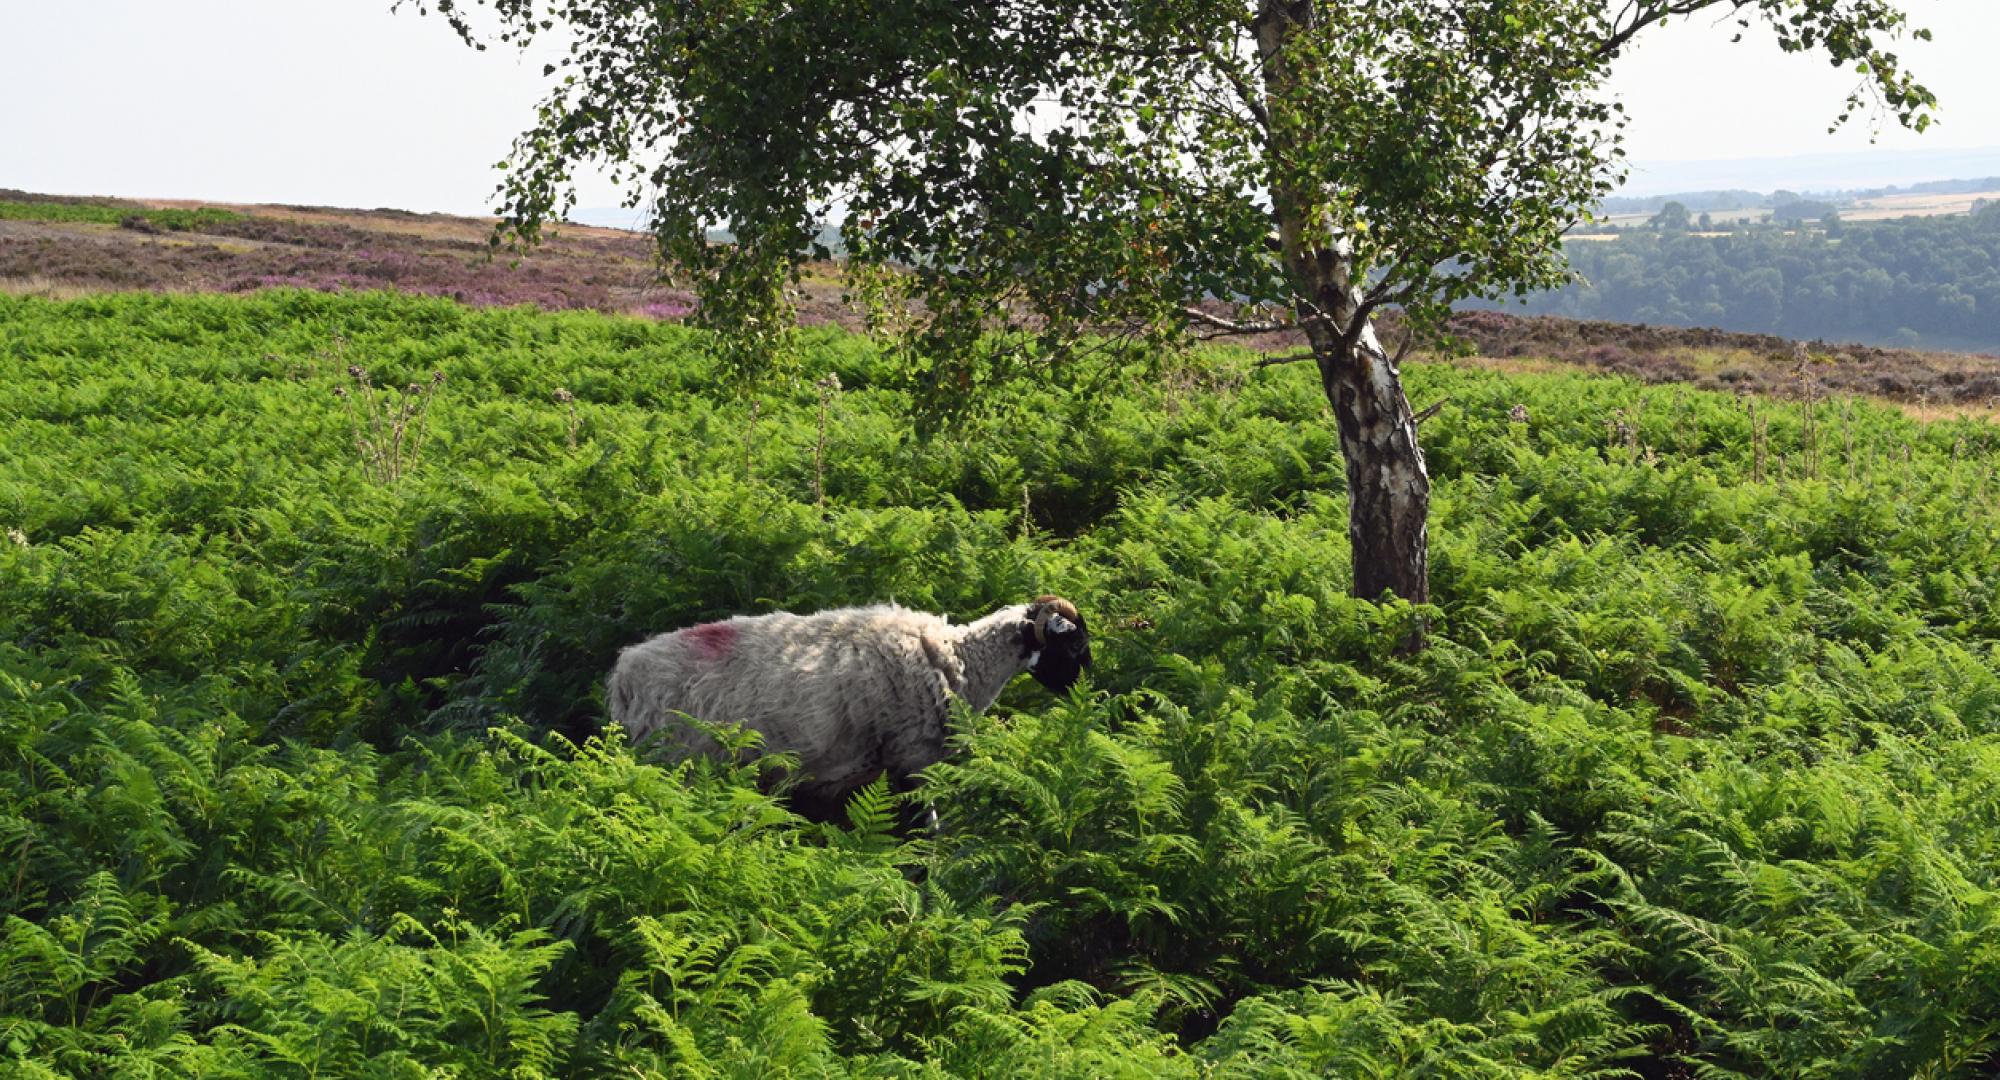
x=342 y=103
x=1698 y=103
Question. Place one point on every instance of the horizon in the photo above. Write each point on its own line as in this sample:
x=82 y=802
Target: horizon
x=1817 y=173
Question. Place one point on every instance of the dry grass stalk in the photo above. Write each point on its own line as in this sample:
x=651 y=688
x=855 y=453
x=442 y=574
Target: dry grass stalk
x=389 y=426
x=1847 y=434
x=828 y=386
x=568 y=401
x=1758 y=423
x=1687 y=430
x=1809 y=395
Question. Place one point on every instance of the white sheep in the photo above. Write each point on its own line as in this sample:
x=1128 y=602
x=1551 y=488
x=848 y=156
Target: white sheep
x=853 y=692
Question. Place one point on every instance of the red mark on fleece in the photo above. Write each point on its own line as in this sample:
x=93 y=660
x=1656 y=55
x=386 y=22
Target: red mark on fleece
x=710 y=641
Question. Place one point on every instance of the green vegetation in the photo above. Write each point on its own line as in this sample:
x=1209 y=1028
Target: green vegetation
x=98 y=214
x=1928 y=280
x=1700 y=772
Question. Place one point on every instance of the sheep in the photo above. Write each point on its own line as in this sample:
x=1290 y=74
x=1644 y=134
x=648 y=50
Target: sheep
x=853 y=692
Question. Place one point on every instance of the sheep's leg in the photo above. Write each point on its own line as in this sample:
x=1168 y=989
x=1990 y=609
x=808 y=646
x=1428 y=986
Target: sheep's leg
x=919 y=817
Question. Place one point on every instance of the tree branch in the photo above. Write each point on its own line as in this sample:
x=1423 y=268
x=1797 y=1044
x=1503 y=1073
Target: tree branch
x=1246 y=94
x=1228 y=326
x=1429 y=411
x=1644 y=13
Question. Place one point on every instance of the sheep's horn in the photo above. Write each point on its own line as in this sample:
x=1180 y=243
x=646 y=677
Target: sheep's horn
x=1046 y=607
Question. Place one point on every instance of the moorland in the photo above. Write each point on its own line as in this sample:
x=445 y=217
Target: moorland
x=306 y=595
x=62 y=246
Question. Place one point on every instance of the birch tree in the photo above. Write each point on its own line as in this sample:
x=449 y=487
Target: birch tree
x=1032 y=175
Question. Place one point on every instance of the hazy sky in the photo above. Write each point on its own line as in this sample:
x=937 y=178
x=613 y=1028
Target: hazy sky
x=339 y=102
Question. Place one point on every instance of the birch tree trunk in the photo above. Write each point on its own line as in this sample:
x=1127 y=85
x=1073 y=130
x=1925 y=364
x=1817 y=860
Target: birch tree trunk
x=1388 y=486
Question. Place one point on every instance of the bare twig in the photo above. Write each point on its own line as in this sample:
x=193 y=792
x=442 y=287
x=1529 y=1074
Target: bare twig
x=1409 y=338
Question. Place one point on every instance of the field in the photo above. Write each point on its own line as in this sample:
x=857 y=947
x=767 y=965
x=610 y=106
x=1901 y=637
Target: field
x=1748 y=215
x=1700 y=774
x=1883 y=207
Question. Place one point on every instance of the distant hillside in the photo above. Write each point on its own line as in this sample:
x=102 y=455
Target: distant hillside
x=1931 y=187
x=1744 y=199
x=66 y=246
x=1931 y=282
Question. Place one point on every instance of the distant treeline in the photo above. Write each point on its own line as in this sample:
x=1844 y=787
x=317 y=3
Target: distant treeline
x=1931 y=281
x=1730 y=199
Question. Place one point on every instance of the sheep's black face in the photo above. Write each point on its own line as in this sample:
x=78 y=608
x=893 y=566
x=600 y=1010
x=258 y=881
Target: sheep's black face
x=1063 y=650
x=1058 y=668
